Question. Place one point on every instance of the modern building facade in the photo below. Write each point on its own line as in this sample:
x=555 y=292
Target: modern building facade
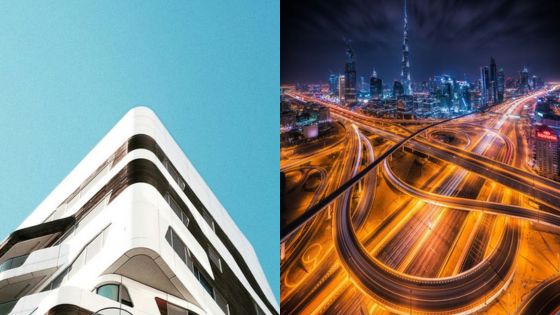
x=350 y=76
x=500 y=85
x=405 y=67
x=398 y=89
x=133 y=229
x=545 y=135
x=524 y=81
x=342 y=88
x=493 y=83
x=375 y=87
x=333 y=84
x=484 y=86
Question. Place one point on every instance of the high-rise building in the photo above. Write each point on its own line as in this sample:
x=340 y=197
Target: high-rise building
x=398 y=89
x=133 y=229
x=341 y=88
x=350 y=75
x=546 y=151
x=536 y=82
x=493 y=82
x=333 y=83
x=464 y=95
x=446 y=91
x=500 y=82
x=375 y=87
x=363 y=86
x=484 y=86
x=405 y=69
x=524 y=81
x=544 y=140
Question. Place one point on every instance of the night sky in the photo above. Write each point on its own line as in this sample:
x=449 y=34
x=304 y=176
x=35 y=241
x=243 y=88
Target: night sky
x=452 y=37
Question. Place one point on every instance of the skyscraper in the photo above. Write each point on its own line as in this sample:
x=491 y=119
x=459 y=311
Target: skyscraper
x=350 y=75
x=375 y=87
x=500 y=85
x=333 y=83
x=341 y=88
x=405 y=70
x=398 y=89
x=484 y=86
x=493 y=83
x=524 y=81
x=133 y=229
x=363 y=86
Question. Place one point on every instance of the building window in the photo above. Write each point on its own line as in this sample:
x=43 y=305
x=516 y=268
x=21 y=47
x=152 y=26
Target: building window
x=181 y=249
x=110 y=291
x=208 y=218
x=205 y=283
x=115 y=292
x=215 y=257
x=166 y=308
x=174 y=174
x=177 y=209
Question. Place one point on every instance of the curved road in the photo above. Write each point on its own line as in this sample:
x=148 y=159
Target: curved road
x=544 y=300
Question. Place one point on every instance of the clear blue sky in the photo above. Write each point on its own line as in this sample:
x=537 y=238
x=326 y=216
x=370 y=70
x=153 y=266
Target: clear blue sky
x=69 y=70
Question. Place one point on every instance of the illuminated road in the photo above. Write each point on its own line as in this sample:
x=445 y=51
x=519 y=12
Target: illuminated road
x=538 y=187
x=544 y=300
x=449 y=243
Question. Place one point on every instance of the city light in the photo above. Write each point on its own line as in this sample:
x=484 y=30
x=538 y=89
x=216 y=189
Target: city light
x=434 y=195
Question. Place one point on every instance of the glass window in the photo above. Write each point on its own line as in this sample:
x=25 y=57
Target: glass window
x=166 y=308
x=125 y=297
x=176 y=310
x=179 y=247
x=110 y=291
x=205 y=284
x=215 y=257
x=208 y=219
x=115 y=292
x=168 y=236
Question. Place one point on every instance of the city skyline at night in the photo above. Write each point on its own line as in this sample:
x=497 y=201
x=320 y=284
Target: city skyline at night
x=419 y=172
x=454 y=38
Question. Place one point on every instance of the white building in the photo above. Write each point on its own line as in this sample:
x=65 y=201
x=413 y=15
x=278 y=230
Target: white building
x=133 y=229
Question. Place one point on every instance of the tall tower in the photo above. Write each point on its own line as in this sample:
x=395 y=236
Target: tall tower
x=484 y=86
x=493 y=83
x=375 y=87
x=405 y=71
x=350 y=75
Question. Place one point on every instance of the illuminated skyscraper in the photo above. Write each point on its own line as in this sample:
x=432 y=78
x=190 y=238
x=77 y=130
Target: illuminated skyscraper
x=364 y=87
x=493 y=83
x=341 y=88
x=405 y=71
x=524 y=81
x=375 y=87
x=484 y=86
x=350 y=75
x=500 y=85
x=398 y=89
x=333 y=82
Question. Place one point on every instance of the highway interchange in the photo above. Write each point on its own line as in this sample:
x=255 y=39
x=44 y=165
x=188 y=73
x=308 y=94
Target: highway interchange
x=436 y=227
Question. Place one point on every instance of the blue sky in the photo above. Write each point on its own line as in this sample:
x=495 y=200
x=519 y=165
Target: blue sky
x=209 y=69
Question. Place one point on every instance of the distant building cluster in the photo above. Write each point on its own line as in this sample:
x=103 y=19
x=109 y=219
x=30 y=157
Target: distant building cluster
x=543 y=138
x=301 y=121
x=492 y=84
x=441 y=96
